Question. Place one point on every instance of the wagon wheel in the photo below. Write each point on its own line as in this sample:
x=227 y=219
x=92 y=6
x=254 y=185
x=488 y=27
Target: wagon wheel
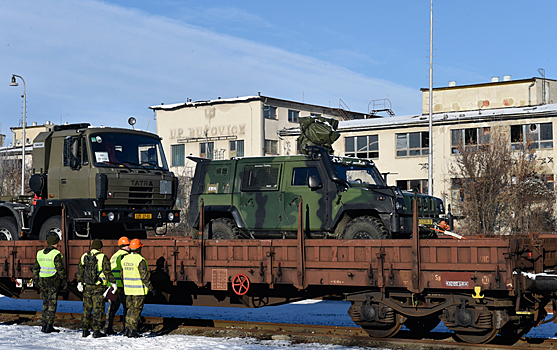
x=477 y=337
x=240 y=284
x=384 y=330
x=423 y=324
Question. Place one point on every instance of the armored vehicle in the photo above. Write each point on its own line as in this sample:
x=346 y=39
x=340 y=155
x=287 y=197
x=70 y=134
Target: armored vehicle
x=345 y=198
x=109 y=180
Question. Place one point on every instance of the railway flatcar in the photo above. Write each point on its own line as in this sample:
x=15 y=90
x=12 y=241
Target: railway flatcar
x=479 y=287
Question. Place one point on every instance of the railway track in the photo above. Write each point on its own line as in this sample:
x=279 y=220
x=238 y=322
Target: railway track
x=296 y=333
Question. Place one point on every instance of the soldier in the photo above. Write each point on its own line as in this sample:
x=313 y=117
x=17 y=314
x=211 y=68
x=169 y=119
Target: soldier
x=116 y=264
x=50 y=275
x=93 y=272
x=135 y=274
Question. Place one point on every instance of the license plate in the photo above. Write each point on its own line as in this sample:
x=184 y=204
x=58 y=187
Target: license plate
x=142 y=216
x=426 y=221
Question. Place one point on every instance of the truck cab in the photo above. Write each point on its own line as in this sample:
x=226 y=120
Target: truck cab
x=110 y=181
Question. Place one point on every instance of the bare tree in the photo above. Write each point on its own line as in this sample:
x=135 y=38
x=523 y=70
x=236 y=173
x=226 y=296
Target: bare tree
x=10 y=176
x=182 y=203
x=502 y=190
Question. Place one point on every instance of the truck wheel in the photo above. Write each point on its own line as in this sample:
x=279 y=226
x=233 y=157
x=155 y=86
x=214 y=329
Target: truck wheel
x=8 y=230
x=222 y=228
x=366 y=227
x=52 y=225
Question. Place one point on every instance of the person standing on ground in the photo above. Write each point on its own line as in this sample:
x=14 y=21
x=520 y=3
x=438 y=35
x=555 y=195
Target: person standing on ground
x=50 y=275
x=116 y=265
x=135 y=275
x=93 y=275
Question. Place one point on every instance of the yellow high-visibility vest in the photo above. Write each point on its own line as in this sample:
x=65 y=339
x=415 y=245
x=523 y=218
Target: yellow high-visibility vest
x=116 y=265
x=131 y=277
x=100 y=258
x=46 y=262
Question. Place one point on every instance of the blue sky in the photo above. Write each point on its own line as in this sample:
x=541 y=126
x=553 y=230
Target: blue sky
x=103 y=61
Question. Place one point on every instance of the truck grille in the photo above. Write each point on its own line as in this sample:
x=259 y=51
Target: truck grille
x=140 y=195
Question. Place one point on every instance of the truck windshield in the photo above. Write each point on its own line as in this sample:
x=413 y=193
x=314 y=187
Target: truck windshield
x=358 y=175
x=128 y=150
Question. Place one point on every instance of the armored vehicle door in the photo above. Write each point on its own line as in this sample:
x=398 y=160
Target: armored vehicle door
x=316 y=200
x=68 y=175
x=261 y=202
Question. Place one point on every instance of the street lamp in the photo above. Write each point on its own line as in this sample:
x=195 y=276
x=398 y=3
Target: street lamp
x=14 y=83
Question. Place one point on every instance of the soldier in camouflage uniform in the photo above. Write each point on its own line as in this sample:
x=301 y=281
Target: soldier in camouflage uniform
x=50 y=275
x=135 y=275
x=93 y=293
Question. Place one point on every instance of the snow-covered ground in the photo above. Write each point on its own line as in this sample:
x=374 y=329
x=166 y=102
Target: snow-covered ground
x=305 y=312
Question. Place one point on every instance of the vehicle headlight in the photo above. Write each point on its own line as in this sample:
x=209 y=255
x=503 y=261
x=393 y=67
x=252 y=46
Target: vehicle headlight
x=441 y=208
x=110 y=216
x=398 y=206
x=170 y=216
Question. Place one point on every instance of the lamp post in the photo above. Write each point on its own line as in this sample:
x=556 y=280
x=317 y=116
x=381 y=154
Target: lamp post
x=14 y=83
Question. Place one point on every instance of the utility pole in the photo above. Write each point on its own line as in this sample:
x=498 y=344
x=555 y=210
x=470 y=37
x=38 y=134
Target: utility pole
x=430 y=155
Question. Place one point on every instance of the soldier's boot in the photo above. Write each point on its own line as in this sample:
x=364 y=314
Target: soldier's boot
x=98 y=334
x=86 y=333
x=109 y=331
x=51 y=329
x=132 y=333
x=43 y=328
x=126 y=332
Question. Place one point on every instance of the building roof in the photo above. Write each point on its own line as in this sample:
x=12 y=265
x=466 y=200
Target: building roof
x=491 y=83
x=441 y=118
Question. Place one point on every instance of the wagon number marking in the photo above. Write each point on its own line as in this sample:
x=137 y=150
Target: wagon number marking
x=484 y=258
x=437 y=278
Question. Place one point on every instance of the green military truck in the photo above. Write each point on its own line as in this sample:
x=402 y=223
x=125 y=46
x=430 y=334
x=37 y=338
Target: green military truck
x=343 y=198
x=111 y=181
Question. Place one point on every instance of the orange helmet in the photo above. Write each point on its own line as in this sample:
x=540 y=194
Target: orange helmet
x=123 y=241
x=135 y=244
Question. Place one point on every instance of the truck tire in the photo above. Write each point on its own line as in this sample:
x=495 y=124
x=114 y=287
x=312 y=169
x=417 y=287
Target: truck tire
x=222 y=228
x=52 y=225
x=8 y=229
x=366 y=227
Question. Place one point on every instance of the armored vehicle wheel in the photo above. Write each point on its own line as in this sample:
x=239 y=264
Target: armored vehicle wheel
x=51 y=226
x=366 y=227
x=422 y=324
x=222 y=228
x=8 y=230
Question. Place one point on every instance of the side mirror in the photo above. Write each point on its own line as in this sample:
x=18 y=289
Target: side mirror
x=314 y=183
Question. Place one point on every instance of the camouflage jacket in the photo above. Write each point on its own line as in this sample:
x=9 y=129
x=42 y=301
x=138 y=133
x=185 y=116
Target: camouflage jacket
x=106 y=270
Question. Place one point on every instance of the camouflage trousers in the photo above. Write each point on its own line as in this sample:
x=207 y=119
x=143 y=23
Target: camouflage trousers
x=135 y=306
x=113 y=307
x=50 y=303
x=93 y=305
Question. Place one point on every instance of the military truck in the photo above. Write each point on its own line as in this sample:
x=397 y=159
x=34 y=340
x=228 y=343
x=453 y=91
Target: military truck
x=344 y=198
x=110 y=180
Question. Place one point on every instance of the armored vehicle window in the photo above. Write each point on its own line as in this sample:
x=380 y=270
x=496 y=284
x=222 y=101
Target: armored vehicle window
x=359 y=175
x=300 y=176
x=262 y=177
x=73 y=149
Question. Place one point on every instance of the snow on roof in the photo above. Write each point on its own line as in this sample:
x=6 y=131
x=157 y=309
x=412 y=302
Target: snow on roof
x=417 y=120
x=204 y=103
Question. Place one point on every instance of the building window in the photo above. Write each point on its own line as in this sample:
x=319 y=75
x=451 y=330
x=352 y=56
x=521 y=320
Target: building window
x=469 y=138
x=314 y=115
x=178 y=155
x=411 y=185
x=362 y=146
x=537 y=135
x=237 y=148
x=271 y=147
x=412 y=144
x=293 y=116
x=207 y=149
x=270 y=112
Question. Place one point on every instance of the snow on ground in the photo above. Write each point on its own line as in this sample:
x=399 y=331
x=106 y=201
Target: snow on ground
x=304 y=312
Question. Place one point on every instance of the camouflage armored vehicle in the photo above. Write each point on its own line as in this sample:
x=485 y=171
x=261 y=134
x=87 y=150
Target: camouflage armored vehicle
x=111 y=181
x=345 y=198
